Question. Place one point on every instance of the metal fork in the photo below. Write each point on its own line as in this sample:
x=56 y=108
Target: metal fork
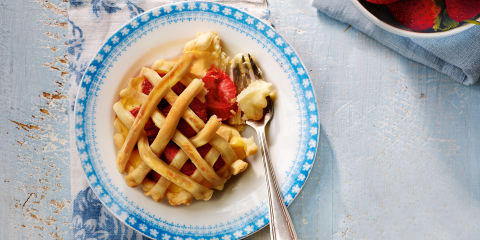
x=245 y=70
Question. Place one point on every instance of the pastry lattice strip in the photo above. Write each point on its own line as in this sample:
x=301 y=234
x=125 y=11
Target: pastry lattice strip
x=205 y=134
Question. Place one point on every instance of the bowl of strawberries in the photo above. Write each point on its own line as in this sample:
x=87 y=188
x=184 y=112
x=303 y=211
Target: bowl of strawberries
x=422 y=18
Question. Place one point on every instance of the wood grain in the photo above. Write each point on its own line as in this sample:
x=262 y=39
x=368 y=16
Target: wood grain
x=399 y=155
x=398 y=158
x=34 y=179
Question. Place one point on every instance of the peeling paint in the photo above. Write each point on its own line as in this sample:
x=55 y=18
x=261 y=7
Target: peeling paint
x=56 y=23
x=58 y=204
x=53 y=35
x=26 y=127
x=40 y=202
x=51 y=96
x=29 y=196
x=54 y=8
x=46 y=112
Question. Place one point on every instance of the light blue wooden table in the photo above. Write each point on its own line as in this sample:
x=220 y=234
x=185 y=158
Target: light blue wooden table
x=399 y=153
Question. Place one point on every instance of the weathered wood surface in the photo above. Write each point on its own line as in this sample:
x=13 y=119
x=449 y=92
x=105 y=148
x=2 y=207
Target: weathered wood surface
x=398 y=158
x=399 y=155
x=34 y=174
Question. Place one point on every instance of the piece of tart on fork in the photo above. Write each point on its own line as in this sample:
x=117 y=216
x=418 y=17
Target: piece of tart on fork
x=178 y=131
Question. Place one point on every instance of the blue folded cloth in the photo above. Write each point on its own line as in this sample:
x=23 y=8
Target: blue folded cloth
x=457 y=56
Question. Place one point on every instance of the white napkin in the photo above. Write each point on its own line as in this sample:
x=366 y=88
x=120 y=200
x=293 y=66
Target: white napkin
x=91 y=22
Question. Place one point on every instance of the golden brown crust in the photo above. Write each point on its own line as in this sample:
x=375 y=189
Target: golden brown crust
x=173 y=175
x=178 y=108
x=157 y=93
x=238 y=167
x=206 y=134
x=142 y=161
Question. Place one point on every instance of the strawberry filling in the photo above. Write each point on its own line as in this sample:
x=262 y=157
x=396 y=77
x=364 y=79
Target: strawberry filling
x=196 y=105
x=203 y=150
x=183 y=126
x=164 y=107
x=199 y=108
x=178 y=88
x=220 y=99
x=218 y=164
x=170 y=152
x=154 y=176
x=188 y=168
x=147 y=87
x=150 y=128
x=186 y=129
x=135 y=111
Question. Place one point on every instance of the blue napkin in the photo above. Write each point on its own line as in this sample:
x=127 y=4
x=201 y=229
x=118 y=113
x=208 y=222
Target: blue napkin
x=457 y=56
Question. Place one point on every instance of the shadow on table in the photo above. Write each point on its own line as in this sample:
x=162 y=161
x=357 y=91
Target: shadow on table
x=314 y=209
x=446 y=115
x=454 y=131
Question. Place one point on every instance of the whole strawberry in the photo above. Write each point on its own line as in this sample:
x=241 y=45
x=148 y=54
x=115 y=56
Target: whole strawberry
x=418 y=15
x=460 y=10
x=382 y=1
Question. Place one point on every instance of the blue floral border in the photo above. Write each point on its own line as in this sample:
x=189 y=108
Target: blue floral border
x=86 y=104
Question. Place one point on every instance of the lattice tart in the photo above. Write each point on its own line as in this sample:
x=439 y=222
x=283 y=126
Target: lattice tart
x=177 y=125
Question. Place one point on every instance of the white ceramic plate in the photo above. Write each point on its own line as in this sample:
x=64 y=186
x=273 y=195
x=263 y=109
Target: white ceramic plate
x=241 y=208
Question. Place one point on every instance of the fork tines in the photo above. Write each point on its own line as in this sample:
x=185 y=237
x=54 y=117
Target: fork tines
x=244 y=70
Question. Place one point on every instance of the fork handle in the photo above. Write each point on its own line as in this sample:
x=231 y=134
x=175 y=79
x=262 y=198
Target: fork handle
x=281 y=226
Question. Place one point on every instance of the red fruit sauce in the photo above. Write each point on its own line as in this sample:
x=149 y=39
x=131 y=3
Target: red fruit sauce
x=222 y=91
x=220 y=99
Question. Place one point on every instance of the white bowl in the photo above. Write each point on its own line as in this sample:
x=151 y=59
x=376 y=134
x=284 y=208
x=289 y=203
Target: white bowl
x=403 y=31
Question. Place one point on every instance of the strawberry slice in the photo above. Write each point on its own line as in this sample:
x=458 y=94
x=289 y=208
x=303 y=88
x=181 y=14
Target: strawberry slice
x=178 y=88
x=203 y=150
x=218 y=164
x=147 y=87
x=150 y=128
x=196 y=105
x=186 y=129
x=135 y=111
x=220 y=99
x=154 y=176
x=164 y=107
x=188 y=168
x=170 y=151
x=221 y=109
x=199 y=108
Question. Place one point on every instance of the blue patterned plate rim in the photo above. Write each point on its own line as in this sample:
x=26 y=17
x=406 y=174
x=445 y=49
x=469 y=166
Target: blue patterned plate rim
x=251 y=23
